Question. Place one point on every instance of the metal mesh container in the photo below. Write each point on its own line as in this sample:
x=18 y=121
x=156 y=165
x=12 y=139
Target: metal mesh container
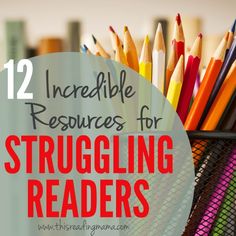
x=214 y=204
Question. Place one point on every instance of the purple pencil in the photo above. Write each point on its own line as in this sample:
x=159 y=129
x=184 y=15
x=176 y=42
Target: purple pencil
x=217 y=197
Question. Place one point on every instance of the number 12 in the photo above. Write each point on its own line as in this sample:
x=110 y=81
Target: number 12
x=21 y=94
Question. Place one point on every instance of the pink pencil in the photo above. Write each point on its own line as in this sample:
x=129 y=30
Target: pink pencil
x=196 y=85
x=190 y=76
x=217 y=197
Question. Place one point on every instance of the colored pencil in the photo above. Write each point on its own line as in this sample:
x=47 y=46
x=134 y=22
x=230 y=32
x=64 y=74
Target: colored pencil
x=119 y=53
x=158 y=60
x=145 y=62
x=231 y=37
x=225 y=210
x=206 y=87
x=231 y=56
x=234 y=127
x=170 y=67
x=113 y=35
x=217 y=197
x=85 y=49
x=205 y=188
x=130 y=50
x=190 y=76
x=178 y=37
x=196 y=86
x=176 y=84
x=230 y=227
x=230 y=116
x=99 y=48
x=223 y=97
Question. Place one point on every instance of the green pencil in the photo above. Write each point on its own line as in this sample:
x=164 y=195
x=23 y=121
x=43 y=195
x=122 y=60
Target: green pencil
x=220 y=226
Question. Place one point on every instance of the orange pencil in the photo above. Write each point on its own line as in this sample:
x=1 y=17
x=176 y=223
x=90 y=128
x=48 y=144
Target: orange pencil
x=119 y=54
x=130 y=50
x=206 y=86
x=170 y=67
x=178 y=39
x=220 y=103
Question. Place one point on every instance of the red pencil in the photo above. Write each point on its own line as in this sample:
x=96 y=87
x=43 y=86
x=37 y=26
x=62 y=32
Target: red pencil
x=190 y=76
x=178 y=38
x=207 y=84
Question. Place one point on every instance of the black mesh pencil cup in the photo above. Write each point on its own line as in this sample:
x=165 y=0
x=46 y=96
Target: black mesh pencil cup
x=214 y=204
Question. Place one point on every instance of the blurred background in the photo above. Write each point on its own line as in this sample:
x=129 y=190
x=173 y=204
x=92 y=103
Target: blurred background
x=53 y=19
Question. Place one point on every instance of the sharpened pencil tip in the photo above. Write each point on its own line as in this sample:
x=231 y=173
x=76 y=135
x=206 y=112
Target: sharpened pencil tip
x=178 y=19
x=233 y=27
x=226 y=36
x=117 y=40
x=111 y=29
x=200 y=35
x=94 y=39
x=159 y=27
x=82 y=48
x=86 y=47
x=125 y=28
x=146 y=40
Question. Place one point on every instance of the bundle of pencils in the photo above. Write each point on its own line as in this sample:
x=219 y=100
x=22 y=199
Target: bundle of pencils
x=178 y=83
x=207 y=105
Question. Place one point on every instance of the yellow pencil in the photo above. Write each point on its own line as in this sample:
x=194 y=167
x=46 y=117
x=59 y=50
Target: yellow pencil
x=145 y=62
x=176 y=83
x=130 y=50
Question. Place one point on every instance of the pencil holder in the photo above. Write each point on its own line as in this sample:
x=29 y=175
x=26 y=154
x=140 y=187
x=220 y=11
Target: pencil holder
x=214 y=204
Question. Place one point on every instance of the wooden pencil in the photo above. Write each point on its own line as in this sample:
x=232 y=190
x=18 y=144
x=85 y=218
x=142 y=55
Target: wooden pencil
x=113 y=35
x=130 y=50
x=158 y=60
x=178 y=38
x=145 y=61
x=217 y=197
x=119 y=53
x=170 y=67
x=230 y=116
x=85 y=49
x=176 y=83
x=223 y=97
x=231 y=37
x=99 y=48
x=196 y=86
x=203 y=195
x=224 y=215
x=206 y=86
x=234 y=127
x=229 y=59
x=190 y=76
